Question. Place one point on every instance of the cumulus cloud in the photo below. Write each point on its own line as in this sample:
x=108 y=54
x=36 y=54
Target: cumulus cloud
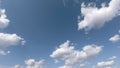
x=67 y=53
x=3 y=19
x=31 y=63
x=115 y=38
x=7 y=40
x=2 y=52
x=96 y=17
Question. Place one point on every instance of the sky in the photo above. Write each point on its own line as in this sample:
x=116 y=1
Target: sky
x=59 y=34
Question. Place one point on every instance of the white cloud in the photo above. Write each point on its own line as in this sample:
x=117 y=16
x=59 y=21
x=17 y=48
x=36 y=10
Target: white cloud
x=7 y=40
x=18 y=66
x=96 y=17
x=3 y=19
x=31 y=63
x=2 y=52
x=106 y=64
x=115 y=38
x=67 y=53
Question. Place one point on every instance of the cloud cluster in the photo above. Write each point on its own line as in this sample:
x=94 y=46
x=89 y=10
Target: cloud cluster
x=67 y=53
x=106 y=64
x=7 y=40
x=3 y=19
x=96 y=17
x=31 y=63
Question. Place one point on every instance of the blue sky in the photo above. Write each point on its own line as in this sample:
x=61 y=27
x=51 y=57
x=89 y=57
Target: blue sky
x=45 y=25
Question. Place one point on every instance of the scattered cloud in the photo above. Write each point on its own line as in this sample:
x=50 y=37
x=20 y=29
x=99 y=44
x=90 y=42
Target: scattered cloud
x=115 y=38
x=96 y=17
x=31 y=63
x=107 y=64
x=3 y=19
x=67 y=53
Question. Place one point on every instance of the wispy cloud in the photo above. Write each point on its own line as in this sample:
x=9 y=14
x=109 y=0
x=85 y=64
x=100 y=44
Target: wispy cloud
x=106 y=64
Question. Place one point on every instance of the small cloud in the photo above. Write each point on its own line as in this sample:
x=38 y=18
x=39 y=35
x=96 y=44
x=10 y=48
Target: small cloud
x=3 y=19
x=115 y=38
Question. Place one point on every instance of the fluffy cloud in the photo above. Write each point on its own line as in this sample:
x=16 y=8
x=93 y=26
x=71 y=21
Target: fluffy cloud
x=96 y=17
x=115 y=38
x=2 y=52
x=7 y=40
x=18 y=66
x=106 y=64
x=3 y=19
x=31 y=63
x=67 y=53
